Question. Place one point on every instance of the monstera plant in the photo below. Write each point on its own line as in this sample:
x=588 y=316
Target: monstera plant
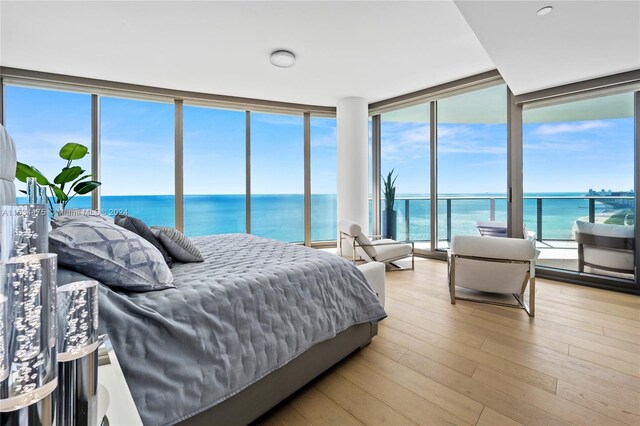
x=71 y=181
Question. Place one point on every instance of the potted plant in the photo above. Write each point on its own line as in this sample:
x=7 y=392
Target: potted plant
x=72 y=178
x=389 y=214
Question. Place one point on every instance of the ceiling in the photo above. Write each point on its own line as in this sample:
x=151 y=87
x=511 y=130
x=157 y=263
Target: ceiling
x=578 y=40
x=375 y=50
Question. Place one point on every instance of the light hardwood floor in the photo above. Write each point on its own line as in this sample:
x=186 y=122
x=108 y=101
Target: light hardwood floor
x=577 y=362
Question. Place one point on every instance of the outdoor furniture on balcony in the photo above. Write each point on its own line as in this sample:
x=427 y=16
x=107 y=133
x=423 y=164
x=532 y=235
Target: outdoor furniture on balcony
x=386 y=251
x=497 y=270
x=606 y=247
x=499 y=229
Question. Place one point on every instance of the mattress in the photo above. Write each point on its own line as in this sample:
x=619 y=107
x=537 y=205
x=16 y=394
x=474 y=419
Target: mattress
x=252 y=306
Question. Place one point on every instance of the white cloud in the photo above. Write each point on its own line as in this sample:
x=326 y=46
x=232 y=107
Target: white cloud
x=550 y=147
x=581 y=126
x=404 y=141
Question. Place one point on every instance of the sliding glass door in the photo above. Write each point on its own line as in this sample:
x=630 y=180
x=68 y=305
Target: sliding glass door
x=404 y=158
x=472 y=162
x=579 y=171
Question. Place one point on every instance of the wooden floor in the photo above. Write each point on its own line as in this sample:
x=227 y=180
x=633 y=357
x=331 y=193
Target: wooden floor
x=577 y=362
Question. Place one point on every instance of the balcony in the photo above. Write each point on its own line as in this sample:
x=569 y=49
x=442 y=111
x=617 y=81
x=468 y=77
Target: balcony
x=550 y=217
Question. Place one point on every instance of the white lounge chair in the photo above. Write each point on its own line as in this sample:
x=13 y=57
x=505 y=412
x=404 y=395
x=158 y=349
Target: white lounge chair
x=606 y=247
x=493 y=265
x=489 y=228
x=386 y=251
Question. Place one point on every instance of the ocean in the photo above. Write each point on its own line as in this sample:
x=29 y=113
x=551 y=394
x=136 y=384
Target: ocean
x=281 y=216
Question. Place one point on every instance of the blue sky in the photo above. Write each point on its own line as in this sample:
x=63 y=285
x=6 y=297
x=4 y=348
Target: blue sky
x=138 y=144
x=137 y=149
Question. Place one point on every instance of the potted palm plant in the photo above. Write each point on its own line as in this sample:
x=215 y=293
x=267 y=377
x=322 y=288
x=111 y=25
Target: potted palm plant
x=71 y=181
x=389 y=214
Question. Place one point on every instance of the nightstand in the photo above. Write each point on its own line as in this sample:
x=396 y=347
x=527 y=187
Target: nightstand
x=121 y=410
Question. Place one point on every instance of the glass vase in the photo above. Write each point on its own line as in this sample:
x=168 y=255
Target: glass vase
x=25 y=230
x=77 y=311
x=28 y=368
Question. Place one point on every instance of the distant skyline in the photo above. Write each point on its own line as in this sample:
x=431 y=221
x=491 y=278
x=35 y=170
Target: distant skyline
x=138 y=149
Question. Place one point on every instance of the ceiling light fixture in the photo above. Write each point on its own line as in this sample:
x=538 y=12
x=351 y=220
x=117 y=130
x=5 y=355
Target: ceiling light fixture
x=283 y=59
x=545 y=10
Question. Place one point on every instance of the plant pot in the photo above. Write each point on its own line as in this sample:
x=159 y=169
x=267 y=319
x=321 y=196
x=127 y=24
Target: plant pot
x=389 y=224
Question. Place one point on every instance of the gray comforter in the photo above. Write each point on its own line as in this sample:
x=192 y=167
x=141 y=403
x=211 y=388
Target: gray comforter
x=251 y=307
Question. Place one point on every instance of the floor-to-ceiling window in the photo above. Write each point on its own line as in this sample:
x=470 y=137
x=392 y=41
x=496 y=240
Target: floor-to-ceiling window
x=404 y=153
x=324 y=147
x=40 y=122
x=472 y=161
x=214 y=171
x=277 y=176
x=137 y=159
x=578 y=165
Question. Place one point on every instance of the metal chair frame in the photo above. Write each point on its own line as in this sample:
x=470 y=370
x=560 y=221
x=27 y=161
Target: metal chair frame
x=530 y=279
x=356 y=244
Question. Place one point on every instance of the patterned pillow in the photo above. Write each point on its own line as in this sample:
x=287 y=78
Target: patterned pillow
x=138 y=227
x=179 y=247
x=110 y=254
x=78 y=214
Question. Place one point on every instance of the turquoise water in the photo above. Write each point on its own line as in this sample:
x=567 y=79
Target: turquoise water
x=282 y=216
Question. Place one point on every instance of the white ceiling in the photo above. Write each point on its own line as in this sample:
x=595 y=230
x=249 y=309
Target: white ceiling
x=375 y=50
x=371 y=49
x=577 y=41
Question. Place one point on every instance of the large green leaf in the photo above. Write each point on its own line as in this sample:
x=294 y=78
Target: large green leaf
x=24 y=171
x=73 y=151
x=60 y=195
x=68 y=174
x=86 y=187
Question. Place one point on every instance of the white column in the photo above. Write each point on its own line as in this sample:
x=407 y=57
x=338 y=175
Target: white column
x=353 y=161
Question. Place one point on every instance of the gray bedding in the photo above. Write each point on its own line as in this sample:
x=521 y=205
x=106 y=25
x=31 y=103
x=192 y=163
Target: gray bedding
x=251 y=307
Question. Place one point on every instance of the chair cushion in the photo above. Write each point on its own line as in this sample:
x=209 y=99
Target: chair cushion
x=354 y=230
x=349 y=227
x=493 y=247
x=610 y=258
x=604 y=229
x=367 y=245
x=385 y=250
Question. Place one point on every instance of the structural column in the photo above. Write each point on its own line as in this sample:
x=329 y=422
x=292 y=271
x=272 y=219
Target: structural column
x=353 y=160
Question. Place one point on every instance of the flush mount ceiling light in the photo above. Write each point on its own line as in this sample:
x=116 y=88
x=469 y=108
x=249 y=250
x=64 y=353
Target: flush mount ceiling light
x=283 y=59
x=545 y=10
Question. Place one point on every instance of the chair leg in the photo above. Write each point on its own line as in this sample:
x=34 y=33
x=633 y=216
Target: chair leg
x=452 y=280
x=532 y=297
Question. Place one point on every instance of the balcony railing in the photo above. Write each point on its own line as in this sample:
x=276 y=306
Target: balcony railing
x=551 y=217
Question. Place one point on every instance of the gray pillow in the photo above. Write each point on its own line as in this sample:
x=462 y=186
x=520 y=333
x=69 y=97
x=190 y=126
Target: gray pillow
x=179 y=247
x=110 y=254
x=138 y=227
x=78 y=214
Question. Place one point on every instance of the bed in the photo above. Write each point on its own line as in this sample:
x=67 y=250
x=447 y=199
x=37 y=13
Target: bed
x=225 y=336
x=243 y=330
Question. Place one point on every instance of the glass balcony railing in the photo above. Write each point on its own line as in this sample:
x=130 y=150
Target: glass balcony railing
x=550 y=217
